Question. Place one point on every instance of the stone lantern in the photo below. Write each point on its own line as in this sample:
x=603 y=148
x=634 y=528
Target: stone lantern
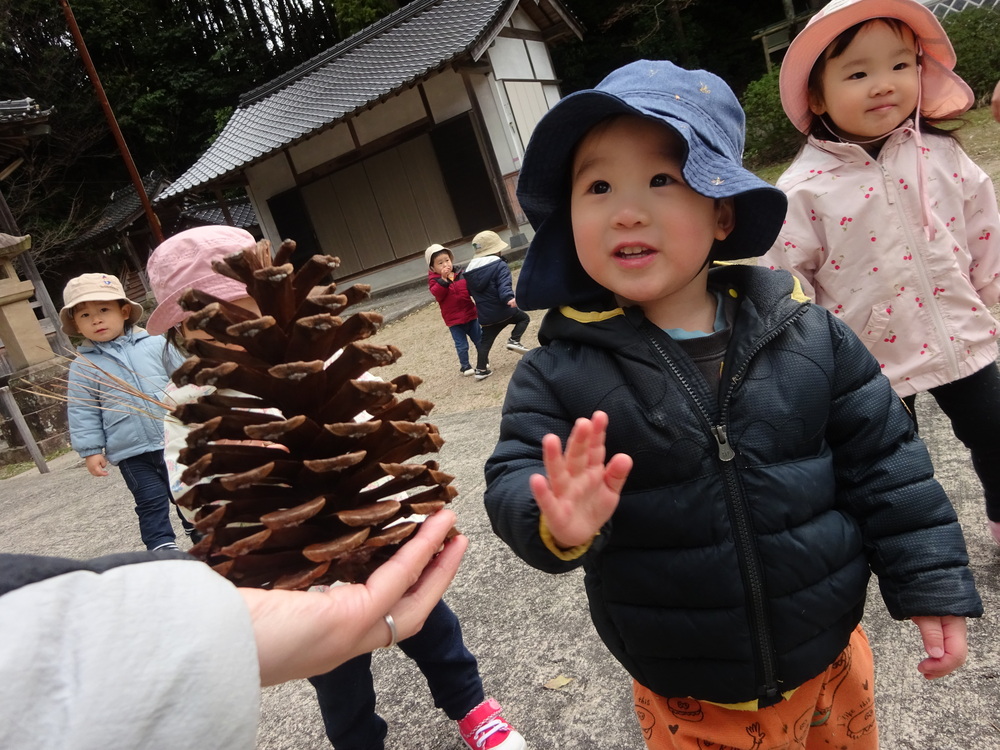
x=20 y=330
x=36 y=368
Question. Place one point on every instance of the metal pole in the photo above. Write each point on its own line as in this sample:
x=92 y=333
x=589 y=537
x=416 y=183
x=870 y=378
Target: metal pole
x=7 y=398
x=154 y=223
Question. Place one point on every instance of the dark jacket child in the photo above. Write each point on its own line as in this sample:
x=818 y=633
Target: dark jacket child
x=448 y=285
x=492 y=289
x=760 y=465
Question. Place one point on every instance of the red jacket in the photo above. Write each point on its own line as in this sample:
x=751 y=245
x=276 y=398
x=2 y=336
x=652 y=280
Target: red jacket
x=457 y=306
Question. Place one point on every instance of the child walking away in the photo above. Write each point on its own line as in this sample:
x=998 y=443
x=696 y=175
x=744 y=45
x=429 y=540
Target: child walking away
x=890 y=225
x=760 y=465
x=492 y=289
x=346 y=695
x=109 y=423
x=448 y=285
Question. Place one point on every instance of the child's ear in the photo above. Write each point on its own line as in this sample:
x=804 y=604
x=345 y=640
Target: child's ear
x=126 y=310
x=816 y=104
x=725 y=217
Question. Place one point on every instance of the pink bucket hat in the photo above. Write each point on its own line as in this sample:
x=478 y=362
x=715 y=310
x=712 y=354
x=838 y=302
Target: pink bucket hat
x=184 y=262
x=942 y=93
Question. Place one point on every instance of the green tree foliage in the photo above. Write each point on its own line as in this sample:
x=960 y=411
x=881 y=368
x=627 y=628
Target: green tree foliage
x=974 y=35
x=171 y=70
x=354 y=15
x=771 y=137
x=716 y=35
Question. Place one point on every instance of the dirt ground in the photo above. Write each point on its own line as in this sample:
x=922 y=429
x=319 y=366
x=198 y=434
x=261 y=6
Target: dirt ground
x=428 y=352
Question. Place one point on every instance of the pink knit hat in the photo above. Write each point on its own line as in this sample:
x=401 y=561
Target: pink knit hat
x=184 y=262
x=942 y=93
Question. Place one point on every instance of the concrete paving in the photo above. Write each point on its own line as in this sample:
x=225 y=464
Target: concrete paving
x=527 y=628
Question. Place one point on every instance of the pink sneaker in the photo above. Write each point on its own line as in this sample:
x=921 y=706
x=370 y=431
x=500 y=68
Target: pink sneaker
x=484 y=727
x=994 y=527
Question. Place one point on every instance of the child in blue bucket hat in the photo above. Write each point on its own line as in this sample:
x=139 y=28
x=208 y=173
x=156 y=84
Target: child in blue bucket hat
x=760 y=465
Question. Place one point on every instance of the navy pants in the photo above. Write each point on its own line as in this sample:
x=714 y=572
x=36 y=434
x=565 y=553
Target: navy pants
x=347 y=694
x=519 y=320
x=973 y=406
x=146 y=478
x=460 y=334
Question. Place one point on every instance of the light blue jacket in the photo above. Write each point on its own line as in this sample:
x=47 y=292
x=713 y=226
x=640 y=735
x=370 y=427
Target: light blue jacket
x=105 y=418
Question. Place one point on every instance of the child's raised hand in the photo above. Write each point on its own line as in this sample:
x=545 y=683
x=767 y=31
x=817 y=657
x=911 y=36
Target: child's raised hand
x=96 y=464
x=945 y=644
x=580 y=492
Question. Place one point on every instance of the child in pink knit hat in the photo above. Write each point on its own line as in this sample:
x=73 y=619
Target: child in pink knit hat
x=346 y=694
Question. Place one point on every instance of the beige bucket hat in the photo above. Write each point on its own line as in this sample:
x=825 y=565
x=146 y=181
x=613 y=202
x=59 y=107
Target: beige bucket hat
x=488 y=243
x=94 y=287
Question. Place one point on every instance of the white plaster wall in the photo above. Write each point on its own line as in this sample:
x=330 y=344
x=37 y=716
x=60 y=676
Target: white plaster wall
x=541 y=63
x=386 y=118
x=321 y=148
x=521 y=20
x=264 y=180
x=264 y=219
x=552 y=94
x=446 y=96
x=510 y=59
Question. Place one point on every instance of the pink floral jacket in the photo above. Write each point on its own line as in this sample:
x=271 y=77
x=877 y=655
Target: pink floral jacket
x=854 y=237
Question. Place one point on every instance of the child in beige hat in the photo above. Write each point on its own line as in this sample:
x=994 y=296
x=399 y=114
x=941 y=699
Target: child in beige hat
x=109 y=421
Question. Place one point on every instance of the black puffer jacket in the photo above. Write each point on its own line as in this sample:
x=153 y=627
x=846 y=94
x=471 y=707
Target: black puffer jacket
x=736 y=564
x=492 y=287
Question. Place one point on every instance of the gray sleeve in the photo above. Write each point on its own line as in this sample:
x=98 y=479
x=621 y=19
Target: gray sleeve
x=160 y=654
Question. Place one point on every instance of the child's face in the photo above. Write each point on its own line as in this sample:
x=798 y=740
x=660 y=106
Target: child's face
x=101 y=321
x=871 y=87
x=442 y=264
x=640 y=231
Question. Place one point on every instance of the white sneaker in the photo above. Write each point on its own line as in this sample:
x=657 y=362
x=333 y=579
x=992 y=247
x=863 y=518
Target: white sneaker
x=516 y=346
x=469 y=371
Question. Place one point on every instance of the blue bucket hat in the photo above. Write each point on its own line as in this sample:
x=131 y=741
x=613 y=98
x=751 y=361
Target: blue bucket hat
x=701 y=109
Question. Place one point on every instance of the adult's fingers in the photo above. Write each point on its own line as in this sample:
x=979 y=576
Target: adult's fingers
x=397 y=574
x=413 y=608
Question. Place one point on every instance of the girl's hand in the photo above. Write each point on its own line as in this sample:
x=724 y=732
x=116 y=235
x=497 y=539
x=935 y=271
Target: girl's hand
x=945 y=644
x=581 y=492
x=96 y=464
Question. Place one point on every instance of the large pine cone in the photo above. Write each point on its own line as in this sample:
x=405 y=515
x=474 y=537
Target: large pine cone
x=300 y=493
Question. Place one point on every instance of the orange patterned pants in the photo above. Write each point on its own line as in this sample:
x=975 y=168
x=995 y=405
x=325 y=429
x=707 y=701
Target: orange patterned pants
x=833 y=711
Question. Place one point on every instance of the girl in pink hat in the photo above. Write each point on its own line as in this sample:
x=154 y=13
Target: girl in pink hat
x=890 y=224
x=346 y=694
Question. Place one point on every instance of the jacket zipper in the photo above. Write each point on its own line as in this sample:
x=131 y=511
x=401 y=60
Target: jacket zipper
x=767 y=692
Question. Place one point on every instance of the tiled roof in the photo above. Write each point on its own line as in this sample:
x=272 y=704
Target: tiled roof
x=20 y=120
x=241 y=212
x=374 y=63
x=120 y=211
